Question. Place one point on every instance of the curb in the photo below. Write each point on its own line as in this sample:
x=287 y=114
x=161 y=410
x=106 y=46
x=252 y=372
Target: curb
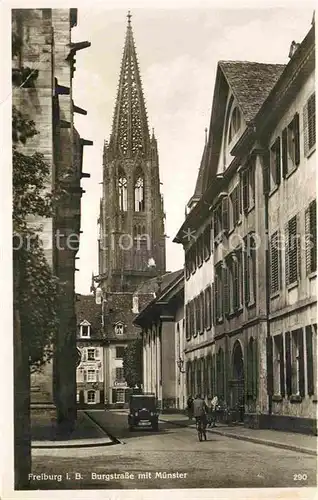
x=255 y=440
x=114 y=440
x=77 y=443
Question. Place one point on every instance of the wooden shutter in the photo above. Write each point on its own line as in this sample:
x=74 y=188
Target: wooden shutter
x=245 y=186
x=284 y=153
x=305 y=129
x=280 y=340
x=301 y=362
x=311 y=108
x=313 y=235
x=287 y=272
x=209 y=308
x=202 y=313
x=266 y=172
x=269 y=364
x=297 y=139
x=225 y=276
x=277 y=159
x=213 y=304
x=310 y=361
x=308 y=240
x=246 y=273
x=288 y=364
x=85 y=376
x=225 y=214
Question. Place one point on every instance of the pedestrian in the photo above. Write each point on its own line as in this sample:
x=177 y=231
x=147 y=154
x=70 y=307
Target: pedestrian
x=190 y=407
x=214 y=404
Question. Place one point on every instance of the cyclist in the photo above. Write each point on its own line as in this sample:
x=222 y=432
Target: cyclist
x=200 y=410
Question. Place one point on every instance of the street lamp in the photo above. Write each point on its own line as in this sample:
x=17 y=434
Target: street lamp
x=180 y=364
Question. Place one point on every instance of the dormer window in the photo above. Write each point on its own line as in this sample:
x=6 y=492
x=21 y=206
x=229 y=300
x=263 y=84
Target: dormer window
x=235 y=123
x=135 y=304
x=119 y=329
x=85 y=330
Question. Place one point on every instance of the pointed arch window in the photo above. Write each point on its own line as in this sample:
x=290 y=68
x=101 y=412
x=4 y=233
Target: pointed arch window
x=122 y=192
x=139 y=192
x=235 y=123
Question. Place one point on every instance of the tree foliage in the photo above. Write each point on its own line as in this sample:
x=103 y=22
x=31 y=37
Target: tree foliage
x=132 y=363
x=37 y=287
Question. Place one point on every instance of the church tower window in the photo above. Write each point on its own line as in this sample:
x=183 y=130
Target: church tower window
x=139 y=192
x=122 y=192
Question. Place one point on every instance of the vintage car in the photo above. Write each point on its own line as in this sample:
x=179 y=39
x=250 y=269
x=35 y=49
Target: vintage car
x=143 y=411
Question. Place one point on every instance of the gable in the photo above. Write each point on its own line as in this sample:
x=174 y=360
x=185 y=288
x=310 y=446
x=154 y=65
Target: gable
x=85 y=323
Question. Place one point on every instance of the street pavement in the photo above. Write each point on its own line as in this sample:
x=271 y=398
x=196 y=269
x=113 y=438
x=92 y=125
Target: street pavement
x=170 y=458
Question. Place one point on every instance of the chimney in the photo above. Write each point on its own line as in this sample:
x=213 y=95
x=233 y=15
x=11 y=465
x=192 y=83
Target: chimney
x=293 y=49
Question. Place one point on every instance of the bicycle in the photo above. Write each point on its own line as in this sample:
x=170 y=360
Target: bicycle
x=201 y=429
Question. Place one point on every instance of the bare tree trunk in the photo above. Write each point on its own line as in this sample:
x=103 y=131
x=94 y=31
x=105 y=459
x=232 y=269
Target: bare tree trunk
x=22 y=424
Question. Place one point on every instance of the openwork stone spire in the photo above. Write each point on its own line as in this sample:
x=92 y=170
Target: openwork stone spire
x=130 y=133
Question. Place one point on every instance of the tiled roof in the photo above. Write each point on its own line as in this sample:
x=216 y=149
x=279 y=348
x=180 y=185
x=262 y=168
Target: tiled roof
x=87 y=309
x=251 y=82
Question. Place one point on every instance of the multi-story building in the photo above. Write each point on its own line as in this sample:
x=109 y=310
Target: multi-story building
x=162 y=323
x=256 y=183
x=45 y=54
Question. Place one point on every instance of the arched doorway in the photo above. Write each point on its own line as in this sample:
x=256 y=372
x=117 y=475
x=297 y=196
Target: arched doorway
x=237 y=382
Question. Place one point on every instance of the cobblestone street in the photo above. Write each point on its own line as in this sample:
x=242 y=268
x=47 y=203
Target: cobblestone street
x=149 y=458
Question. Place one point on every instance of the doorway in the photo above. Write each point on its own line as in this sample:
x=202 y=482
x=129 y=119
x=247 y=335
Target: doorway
x=237 y=382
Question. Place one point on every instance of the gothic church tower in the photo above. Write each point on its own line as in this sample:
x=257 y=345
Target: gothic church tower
x=132 y=239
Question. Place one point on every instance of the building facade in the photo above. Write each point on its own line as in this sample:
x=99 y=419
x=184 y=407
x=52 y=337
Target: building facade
x=256 y=189
x=45 y=54
x=132 y=239
x=162 y=323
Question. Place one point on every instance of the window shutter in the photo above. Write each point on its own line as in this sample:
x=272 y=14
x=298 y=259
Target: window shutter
x=313 y=233
x=209 y=307
x=301 y=362
x=282 y=364
x=245 y=190
x=97 y=375
x=287 y=251
x=255 y=369
x=225 y=214
x=202 y=313
x=297 y=139
x=311 y=110
x=310 y=361
x=266 y=173
x=288 y=364
x=308 y=240
x=84 y=354
x=305 y=127
x=225 y=276
x=213 y=304
x=114 y=396
x=246 y=273
x=278 y=167
x=284 y=153
x=269 y=363
x=298 y=247
x=247 y=370
x=96 y=353
x=85 y=376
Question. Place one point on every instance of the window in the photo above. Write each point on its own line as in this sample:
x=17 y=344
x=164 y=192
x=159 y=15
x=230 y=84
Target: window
x=311 y=237
x=207 y=242
x=248 y=187
x=90 y=354
x=235 y=281
x=290 y=146
x=218 y=294
x=309 y=115
x=120 y=352
x=201 y=305
x=250 y=269
x=139 y=192
x=120 y=374
x=119 y=329
x=278 y=366
x=235 y=206
x=120 y=395
x=235 y=123
x=275 y=263
x=122 y=192
x=207 y=309
x=91 y=376
x=275 y=172
x=91 y=396
x=85 y=328
x=292 y=251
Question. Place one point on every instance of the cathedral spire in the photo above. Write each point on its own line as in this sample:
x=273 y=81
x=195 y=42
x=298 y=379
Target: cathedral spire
x=130 y=132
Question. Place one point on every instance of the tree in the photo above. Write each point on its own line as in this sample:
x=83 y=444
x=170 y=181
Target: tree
x=38 y=287
x=132 y=363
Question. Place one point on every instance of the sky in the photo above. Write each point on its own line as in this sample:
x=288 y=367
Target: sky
x=178 y=51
